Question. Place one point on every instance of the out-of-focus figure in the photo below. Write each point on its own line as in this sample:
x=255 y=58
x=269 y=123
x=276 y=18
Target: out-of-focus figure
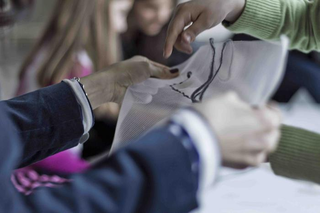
x=147 y=26
x=149 y=16
x=80 y=38
x=12 y=11
x=78 y=31
x=303 y=71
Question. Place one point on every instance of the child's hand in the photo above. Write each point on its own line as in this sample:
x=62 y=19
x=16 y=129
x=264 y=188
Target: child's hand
x=203 y=15
x=246 y=135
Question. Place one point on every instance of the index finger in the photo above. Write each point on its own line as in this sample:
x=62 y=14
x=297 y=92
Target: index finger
x=180 y=20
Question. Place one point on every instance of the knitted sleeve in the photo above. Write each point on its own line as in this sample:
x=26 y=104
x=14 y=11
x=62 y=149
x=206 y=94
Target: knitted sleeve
x=298 y=155
x=268 y=20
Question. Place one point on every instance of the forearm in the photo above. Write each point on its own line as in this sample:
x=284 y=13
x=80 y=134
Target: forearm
x=48 y=121
x=150 y=175
x=268 y=20
x=298 y=155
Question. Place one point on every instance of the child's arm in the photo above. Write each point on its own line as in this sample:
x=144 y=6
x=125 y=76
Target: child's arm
x=298 y=155
x=268 y=20
x=265 y=19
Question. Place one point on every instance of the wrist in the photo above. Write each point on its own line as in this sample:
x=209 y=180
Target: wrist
x=98 y=88
x=238 y=7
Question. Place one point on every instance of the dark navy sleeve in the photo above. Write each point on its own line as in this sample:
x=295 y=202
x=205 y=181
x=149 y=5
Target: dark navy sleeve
x=151 y=175
x=48 y=121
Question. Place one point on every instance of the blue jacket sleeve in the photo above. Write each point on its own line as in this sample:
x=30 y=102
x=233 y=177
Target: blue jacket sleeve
x=48 y=121
x=151 y=175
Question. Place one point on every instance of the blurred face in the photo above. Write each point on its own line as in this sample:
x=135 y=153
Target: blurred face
x=152 y=15
x=11 y=11
x=6 y=13
x=119 y=11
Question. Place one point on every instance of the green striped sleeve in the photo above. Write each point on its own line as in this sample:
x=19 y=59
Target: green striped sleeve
x=298 y=155
x=269 y=19
x=258 y=18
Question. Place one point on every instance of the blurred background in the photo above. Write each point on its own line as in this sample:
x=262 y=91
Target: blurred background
x=121 y=29
x=17 y=44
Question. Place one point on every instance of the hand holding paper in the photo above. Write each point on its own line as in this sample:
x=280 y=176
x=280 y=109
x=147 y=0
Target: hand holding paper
x=246 y=135
x=111 y=85
x=200 y=15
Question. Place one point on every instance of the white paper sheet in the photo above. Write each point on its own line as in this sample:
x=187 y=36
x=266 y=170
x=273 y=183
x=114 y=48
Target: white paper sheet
x=253 y=69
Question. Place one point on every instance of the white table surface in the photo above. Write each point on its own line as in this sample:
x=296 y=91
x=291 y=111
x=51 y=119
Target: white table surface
x=260 y=190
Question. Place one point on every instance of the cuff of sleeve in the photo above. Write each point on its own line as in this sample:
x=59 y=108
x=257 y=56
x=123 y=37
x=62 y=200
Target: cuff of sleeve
x=205 y=143
x=85 y=106
x=260 y=18
x=298 y=155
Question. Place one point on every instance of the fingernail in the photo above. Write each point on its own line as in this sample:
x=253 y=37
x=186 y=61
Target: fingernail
x=166 y=53
x=173 y=71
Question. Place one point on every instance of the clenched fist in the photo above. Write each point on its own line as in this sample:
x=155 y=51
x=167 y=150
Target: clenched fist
x=246 y=135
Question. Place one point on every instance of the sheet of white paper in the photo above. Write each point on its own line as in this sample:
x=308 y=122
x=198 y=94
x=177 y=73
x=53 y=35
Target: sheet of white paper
x=253 y=69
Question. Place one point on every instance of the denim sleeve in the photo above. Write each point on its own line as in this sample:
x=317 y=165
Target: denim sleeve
x=48 y=121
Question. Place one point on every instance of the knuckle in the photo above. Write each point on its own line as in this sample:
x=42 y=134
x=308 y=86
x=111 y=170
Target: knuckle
x=267 y=121
x=273 y=118
x=208 y=23
x=208 y=20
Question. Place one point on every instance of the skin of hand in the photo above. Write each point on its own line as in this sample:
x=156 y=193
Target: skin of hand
x=246 y=135
x=110 y=85
x=200 y=15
